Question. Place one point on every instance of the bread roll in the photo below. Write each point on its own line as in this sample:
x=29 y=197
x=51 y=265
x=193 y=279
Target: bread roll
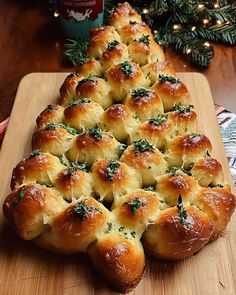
x=52 y=114
x=146 y=160
x=83 y=113
x=93 y=145
x=134 y=31
x=112 y=179
x=119 y=120
x=123 y=78
x=30 y=207
x=90 y=66
x=144 y=103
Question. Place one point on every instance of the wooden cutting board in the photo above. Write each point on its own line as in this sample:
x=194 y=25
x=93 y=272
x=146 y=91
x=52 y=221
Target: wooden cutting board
x=26 y=269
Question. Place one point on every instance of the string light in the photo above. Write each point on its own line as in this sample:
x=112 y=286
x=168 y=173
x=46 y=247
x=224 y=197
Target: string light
x=219 y=22
x=176 y=27
x=145 y=10
x=207 y=44
x=193 y=28
x=155 y=31
x=56 y=14
x=205 y=21
x=216 y=5
x=200 y=6
x=188 y=50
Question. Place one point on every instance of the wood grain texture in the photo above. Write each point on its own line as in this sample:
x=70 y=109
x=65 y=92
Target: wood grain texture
x=27 y=269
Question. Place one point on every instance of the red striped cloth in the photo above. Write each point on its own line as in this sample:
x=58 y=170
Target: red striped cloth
x=227 y=122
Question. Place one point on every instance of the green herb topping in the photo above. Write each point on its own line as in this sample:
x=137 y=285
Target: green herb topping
x=149 y=188
x=208 y=154
x=166 y=78
x=142 y=145
x=121 y=228
x=181 y=211
x=50 y=108
x=139 y=93
x=132 y=22
x=172 y=171
x=90 y=77
x=126 y=68
x=83 y=210
x=183 y=109
x=144 y=39
x=220 y=185
x=73 y=167
x=109 y=226
x=49 y=185
x=112 y=168
x=81 y=101
x=122 y=146
x=113 y=44
x=36 y=153
x=53 y=126
x=21 y=194
x=134 y=205
x=95 y=132
x=133 y=234
x=157 y=120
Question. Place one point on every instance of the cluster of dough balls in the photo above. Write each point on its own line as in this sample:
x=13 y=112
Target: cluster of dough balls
x=119 y=159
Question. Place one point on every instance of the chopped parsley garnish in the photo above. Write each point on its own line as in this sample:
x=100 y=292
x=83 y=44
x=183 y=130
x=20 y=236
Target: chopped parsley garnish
x=109 y=226
x=142 y=145
x=63 y=160
x=50 y=126
x=172 y=171
x=50 y=108
x=53 y=126
x=73 y=167
x=220 y=185
x=113 y=44
x=208 y=154
x=36 y=153
x=181 y=211
x=112 y=168
x=95 y=132
x=21 y=194
x=139 y=93
x=132 y=22
x=145 y=39
x=83 y=210
x=81 y=101
x=90 y=77
x=149 y=188
x=158 y=120
x=166 y=78
x=121 y=228
x=183 y=109
x=186 y=171
x=126 y=68
x=122 y=146
x=133 y=234
x=193 y=136
x=49 y=185
x=134 y=205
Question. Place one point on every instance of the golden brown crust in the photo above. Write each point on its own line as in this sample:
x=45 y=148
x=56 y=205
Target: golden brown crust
x=41 y=168
x=122 y=14
x=153 y=70
x=219 y=204
x=55 y=141
x=208 y=172
x=27 y=208
x=92 y=66
x=171 y=186
x=169 y=239
x=146 y=106
x=100 y=38
x=172 y=93
x=52 y=114
x=120 y=261
x=131 y=32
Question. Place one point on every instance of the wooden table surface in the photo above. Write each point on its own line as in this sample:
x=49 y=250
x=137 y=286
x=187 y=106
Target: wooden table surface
x=31 y=41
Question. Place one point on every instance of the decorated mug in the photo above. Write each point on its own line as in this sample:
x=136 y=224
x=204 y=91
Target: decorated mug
x=78 y=17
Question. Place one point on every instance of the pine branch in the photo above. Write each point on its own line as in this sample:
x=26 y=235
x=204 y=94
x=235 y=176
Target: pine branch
x=224 y=14
x=76 y=51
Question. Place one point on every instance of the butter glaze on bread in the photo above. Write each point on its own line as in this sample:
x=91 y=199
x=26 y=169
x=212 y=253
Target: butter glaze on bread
x=119 y=166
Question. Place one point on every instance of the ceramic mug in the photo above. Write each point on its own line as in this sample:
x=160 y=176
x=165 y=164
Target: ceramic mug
x=78 y=17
